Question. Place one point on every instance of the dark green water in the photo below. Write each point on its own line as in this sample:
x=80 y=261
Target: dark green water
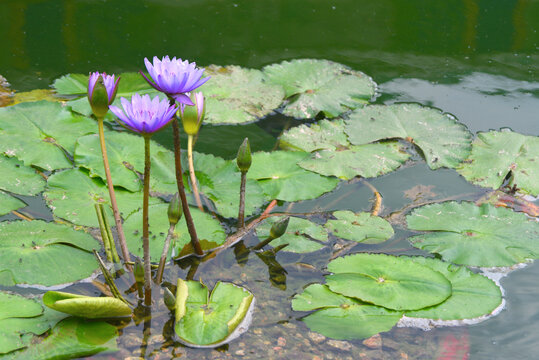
x=475 y=59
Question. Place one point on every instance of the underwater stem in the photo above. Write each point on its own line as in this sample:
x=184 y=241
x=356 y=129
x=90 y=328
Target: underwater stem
x=241 y=214
x=160 y=269
x=145 y=230
x=104 y=233
x=194 y=185
x=117 y=218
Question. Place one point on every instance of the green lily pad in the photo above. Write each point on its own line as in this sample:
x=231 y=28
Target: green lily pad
x=72 y=338
x=302 y=235
x=467 y=234
x=281 y=178
x=473 y=295
x=236 y=95
x=318 y=296
x=361 y=227
x=496 y=153
x=9 y=203
x=19 y=179
x=16 y=306
x=324 y=135
x=314 y=86
x=36 y=252
x=370 y=160
x=210 y=320
x=393 y=282
x=443 y=140
x=71 y=84
x=86 y=306
x=71 y=195
x=207 y=229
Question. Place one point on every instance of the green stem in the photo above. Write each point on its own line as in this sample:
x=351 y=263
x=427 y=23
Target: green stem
x=113 y=250
x=181 y=189
x=104 y=234
x=160 y=269
x=145 y=229
x=241 y=214
x=194 y=185
x=261 y=244
x=117 y=218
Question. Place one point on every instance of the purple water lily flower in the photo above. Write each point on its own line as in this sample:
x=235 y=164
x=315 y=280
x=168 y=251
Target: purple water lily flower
x=192 y=116
x=111 y=85
x=174 y=77
x=143 y=114
x=101 y=92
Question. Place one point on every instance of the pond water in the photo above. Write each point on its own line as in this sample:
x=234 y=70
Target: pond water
x=474 y=59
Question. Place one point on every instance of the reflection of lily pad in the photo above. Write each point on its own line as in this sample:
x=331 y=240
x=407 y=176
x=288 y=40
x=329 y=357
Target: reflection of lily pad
x=473 y=295
x=314 y=86
x=9 y=203
x=86 y=306
x=19 y=179
x=389 y=281
x=466 y=234
x=207 y=229
x=496 y=153
x=210 y=320
x=341 y=317
x=301 y=235
x=43 y=253
x=237 y=95
x=443 y=140
x=281 y=178
x=360 y=227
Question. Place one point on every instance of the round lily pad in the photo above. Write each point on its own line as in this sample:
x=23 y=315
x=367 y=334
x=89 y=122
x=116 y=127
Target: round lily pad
x=361 y=227
x=236 y=95
x=393 y=282
x=314 y=86
x=19 y=179
x=443 y=140
x=281 y=178
x=302 y=235
x=37 y=252
x=207 y=229
x=495 y=154
x=86 y=306
x=210 y=320
x=473 y=295
x=9 y=203
x=467 y=234
x=318 y=296
x=324 y=135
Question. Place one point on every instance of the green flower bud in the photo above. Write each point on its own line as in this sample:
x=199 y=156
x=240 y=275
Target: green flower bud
x=192 y=115
x=169 y=299
x=279 y=228
x=175 y=210
x=244 y=156
x=102 y=90
x=139 y=271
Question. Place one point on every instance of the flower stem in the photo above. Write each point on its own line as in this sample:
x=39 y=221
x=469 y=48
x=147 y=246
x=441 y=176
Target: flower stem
x=194 y=185
x=181 y=190
x=241 y=214
x=104 y=233
x=145 y=229
x=117 y=218
x=160 y=269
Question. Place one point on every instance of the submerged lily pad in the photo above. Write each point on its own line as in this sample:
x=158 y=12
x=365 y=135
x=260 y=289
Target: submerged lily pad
x=207 y=229
x=9 y=203
x=86 y=306
x=361 y=227
x=495 y=154
x=314 y=86
x=443 y=140
x=210 y=320
x=341 y=317
x=237 y=95
x=281 y=178
x=302 y=235
x=472 y=296
x=467 y=234
x=19 y=179
x=35 y=95
x=393 y=282
x=37 y=252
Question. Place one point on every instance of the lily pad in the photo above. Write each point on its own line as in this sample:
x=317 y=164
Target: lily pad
x=71 y=195
x=314 y=86
x=473 y=295
x=324 y=135
x=393 y=282
x=361 y=227
x=15 y=308
x=19 y=179
x=37 y=252
x=318 y=296
x=443 y=140
x=467 y=234
x=207 y=229
x=86 y=306
x=210 y=320
x=237 y=95
x=302 y=235
x=281 y=178
x=35 y=95
x=9 y=203
x=495 y=154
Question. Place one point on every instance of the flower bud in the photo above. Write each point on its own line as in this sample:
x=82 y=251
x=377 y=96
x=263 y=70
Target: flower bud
x=244 y=156
x=192 y=116
x=102 y=90
x=169 y=299
x=139 y=271
x=279 y=228
x=175 y=210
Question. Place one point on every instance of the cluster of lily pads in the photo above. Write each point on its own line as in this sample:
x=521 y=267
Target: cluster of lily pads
x=364 y=293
